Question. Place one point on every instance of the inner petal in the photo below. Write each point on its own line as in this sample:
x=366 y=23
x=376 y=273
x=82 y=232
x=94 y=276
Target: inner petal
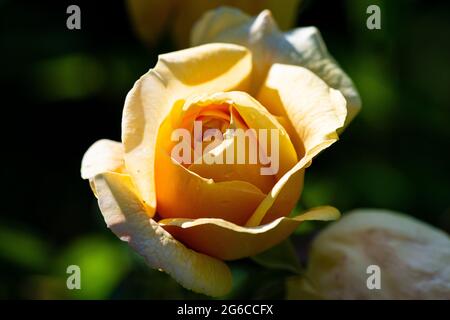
x=232 y=192
x=197 y=197
x=218 y=152
x=228 y=166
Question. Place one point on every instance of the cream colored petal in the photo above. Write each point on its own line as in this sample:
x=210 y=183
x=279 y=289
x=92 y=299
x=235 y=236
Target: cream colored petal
x=413 y=257
x=104 y=155
x=188 y=12
x=228 y=241
x=285 y=13
x=124 y=214
x=302 y=47
x=177 y=75
x=216 y=22
x=309 y=44
x=315 y=111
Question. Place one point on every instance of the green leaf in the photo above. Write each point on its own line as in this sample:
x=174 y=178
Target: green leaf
x=300 y=288
x=23 y=249
x=281 y=257
x=103 y=264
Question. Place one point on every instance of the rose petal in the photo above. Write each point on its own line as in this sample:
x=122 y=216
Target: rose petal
x=227 y=241
x=182 y=193
x=257 y=118
x=314 y=109
x=315 y=112
x=302 y=47
x=151 y=18
x=104 y=155
x=124 y=214
x=315 y=57
x=223 y=171
x=177 y=75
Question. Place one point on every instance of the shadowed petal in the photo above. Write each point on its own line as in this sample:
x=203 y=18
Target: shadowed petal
x=228 y=241
x=125 y=215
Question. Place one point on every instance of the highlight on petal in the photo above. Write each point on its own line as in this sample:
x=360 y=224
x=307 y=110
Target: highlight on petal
x=125 y=215
x=228 y=241
x=302 y=47
x=314 y=109
x=104 y=155
x=315 y=112
x=413 y=257
x=177 y=75
x=315 y=56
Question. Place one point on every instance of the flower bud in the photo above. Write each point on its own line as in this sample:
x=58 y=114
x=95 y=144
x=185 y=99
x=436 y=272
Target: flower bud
x=408 y=258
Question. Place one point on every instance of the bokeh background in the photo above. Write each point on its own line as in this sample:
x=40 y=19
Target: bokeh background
x=63 y=90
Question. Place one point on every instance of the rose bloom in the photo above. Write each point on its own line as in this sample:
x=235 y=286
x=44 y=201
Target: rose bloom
x=186 y=219
x=153 y=19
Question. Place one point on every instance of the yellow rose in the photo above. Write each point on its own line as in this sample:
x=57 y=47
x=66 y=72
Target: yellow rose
x=186 y=219
x=302 y=46
x=413 y=259
x=152 y=18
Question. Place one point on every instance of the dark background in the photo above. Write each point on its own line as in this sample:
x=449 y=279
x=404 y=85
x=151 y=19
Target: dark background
x=63 y=90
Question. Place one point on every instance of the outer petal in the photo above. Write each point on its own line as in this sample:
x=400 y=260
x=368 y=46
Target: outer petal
x=302 y=47
x=228 y=241
x=104 y=155
x=177 y=75
x=256 y=117
x=190 y=11
x=315 y=112
x=315 y=56
x=314 y=109
x=124 y=214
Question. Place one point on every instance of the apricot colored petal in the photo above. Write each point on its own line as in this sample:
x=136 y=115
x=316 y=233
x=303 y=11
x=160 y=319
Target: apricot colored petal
x=315 y=111
x=228 y=241
x=177 y=75
x=183 y=193
x=315 y=56
x=257 y=118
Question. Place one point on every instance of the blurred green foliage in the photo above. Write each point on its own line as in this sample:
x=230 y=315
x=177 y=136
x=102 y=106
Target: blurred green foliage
x=65 y=89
